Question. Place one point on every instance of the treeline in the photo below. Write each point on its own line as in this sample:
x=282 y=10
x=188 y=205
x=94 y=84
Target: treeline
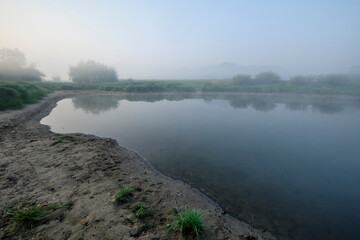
x=261 y=78
x=334 y=80
x=270 y=82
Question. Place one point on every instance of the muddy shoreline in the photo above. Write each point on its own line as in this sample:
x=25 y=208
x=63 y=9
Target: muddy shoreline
x=39 y=166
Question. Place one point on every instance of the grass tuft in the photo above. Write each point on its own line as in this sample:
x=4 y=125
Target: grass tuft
x=31 y=215
x=141 y=211
x=187 y=222
x=124 y=194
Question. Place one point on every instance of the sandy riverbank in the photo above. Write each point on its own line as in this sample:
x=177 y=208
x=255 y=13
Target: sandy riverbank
x=38 y=166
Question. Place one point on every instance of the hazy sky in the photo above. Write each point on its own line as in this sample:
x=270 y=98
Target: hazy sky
x=147 y=39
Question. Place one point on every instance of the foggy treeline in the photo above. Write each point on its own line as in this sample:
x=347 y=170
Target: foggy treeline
x=13 y=67
x=334 y=80
x=90 y=72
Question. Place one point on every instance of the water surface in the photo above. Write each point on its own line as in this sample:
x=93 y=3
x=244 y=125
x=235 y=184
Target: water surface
x=286 y=164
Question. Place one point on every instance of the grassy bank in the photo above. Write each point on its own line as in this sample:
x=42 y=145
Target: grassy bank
x=13 y=95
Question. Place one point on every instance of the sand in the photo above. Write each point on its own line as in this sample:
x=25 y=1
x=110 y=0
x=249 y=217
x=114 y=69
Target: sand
x=38 y=166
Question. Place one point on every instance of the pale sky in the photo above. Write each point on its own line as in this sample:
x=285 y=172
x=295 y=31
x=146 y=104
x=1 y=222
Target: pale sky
x=154 y=39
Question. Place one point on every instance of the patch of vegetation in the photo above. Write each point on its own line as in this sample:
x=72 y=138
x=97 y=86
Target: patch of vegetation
x=124 y=194
x=13 y=95
x=188 y=221
x=32 y=215
x=141 y=211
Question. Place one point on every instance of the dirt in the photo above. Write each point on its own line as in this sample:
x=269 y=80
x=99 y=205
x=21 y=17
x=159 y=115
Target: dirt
x=38 y=166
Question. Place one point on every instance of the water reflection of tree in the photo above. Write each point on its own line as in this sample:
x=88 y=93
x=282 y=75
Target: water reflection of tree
x=96 y=104
x=327 y=105
x=159 y=97
x=258 y=102
x=320 y=104
x=264 y=103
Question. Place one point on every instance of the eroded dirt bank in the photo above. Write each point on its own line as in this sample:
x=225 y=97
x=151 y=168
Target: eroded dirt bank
x=38 y=166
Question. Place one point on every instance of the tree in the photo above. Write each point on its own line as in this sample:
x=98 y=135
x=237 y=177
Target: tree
x=242 y=79
x=90 y=71
x=12 y=67
x=267 y=78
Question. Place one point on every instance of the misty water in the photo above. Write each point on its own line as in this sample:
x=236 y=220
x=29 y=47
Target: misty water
x=286 y=164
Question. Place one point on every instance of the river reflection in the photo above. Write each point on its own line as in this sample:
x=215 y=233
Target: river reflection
x=322 y=104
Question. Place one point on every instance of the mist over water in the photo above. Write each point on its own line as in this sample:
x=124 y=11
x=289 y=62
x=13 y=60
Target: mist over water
x=283 y=163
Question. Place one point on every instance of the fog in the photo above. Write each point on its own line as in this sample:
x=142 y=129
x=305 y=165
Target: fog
x=182 y=40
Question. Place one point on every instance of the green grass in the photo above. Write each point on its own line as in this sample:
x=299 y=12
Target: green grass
x=141 y=211
x=32 y=215
x=188 y=221
x=124 y=194
x=14 y=95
